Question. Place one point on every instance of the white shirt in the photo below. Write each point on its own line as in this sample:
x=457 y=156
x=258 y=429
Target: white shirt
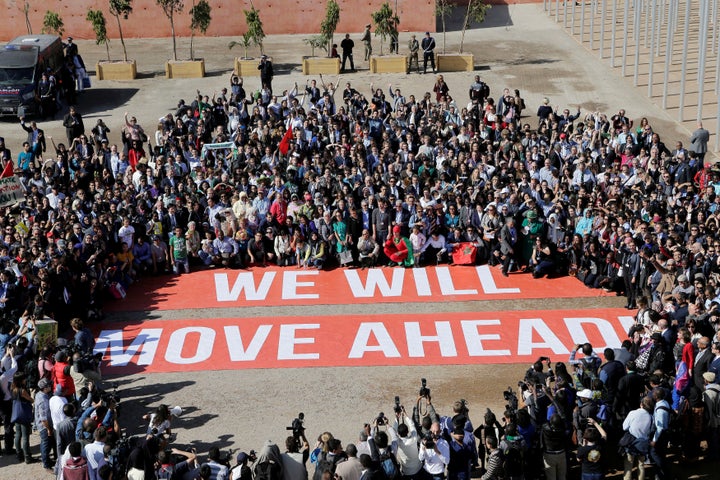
x=435 y=462
x=95 y=458
x=57 y=402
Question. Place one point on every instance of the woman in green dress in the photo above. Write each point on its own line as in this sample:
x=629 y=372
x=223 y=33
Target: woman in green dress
x=531 y=229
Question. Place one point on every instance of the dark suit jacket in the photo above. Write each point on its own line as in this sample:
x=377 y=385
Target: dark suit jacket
x=701 y=366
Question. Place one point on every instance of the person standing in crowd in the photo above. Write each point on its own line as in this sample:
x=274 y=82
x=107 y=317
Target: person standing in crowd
x=699 y=141
x=74 y=126
x=638 y=425
x=347 y=46
x=428 y=48
x=413 y=48
x=266 y=72
x=367 y=42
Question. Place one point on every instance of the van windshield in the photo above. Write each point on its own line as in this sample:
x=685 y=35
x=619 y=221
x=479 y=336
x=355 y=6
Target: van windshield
x=10 y=77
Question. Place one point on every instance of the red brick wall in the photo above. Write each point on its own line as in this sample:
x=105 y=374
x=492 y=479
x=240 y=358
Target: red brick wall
x=278 y=16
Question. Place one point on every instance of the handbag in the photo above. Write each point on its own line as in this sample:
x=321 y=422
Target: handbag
x=345 y=257
x=21 y=412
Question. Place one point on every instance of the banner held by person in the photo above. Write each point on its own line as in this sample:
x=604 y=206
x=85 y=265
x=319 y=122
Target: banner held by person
x=11 y=189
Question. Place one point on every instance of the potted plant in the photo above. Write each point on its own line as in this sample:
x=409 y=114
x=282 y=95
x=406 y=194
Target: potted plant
x=457 y=62
x=199 y=20
x=53 y=23
x=386 y=24
x=120 y=69
x=315 y=65
x=247 y=66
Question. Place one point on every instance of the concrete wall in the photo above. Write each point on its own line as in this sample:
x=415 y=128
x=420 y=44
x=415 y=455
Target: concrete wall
x=278 y=16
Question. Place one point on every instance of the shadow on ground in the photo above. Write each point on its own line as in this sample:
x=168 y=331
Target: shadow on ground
x=497 y=16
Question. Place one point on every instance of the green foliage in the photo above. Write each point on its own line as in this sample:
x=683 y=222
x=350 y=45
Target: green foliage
x=52 y=23
x=245 y=41
x=329 y=24
x=254 y=27
x=316 y=41
x=200 y=16
x=97 y=19
x=121 y=8
x=386 y=23
x=475 y=13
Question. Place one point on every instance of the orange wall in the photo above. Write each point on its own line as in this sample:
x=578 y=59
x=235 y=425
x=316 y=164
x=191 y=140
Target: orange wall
x=278 y=16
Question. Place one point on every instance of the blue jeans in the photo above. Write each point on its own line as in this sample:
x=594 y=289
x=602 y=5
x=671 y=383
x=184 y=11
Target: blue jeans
x=592 y=476
x=22 y=438
x=46 y=442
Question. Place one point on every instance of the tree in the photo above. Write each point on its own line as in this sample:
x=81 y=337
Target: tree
x=386 y=23
x=26 y=12
x=316 y=41
x=443 y=9
x=476 y=11
x=170 y=8
x=120 y=8
x=199 y=20
x=52 y=23
x=245 y=41
x=329 y=24
x=254 y=26
x=97 y=19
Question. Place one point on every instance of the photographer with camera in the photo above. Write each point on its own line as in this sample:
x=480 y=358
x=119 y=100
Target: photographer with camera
x=241 y=470
x=434 y=453
x=407 y=444
x=424 y=414
x=297 y=452
x=170 y=468
x=383 y=447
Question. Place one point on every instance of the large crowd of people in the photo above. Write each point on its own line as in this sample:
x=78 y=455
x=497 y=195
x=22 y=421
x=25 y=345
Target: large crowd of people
x=323 y=176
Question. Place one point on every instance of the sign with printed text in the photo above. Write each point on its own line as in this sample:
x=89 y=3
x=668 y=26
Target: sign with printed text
x=357 y=340
x=291 y=286
x=11 y=191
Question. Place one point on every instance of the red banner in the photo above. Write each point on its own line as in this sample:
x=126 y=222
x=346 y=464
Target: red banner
x=290 y=286
x=357 y=340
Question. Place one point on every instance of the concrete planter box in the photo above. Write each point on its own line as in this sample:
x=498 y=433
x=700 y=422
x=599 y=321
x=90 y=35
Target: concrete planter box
x=116 y=70
x=247 y=67
x=185 y=69
x=318 y=65
x=455 y=62
x=389 y=64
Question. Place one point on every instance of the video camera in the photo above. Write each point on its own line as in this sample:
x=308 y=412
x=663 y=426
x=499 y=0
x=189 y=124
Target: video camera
x=424 y=391
x=380 y=420
x=429 y=441
x=397 y=408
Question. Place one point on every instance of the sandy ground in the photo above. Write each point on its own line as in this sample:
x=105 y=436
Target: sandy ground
x=518 y=48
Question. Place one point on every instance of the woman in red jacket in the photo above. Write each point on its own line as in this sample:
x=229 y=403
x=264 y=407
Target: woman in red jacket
x=61 y=374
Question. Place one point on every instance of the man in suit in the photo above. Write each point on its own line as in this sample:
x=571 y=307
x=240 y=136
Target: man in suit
x=698 y=143
x=508 y=241
x=401 y=217
x=703 y=359
x=36 y=137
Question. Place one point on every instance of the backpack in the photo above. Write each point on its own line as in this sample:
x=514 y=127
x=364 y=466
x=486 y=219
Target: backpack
x=389 y=465
x=675 y=428
x=267 y=471
x=512 y=461
x=323 y=464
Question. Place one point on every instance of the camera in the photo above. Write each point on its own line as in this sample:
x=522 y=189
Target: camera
x=544 y=359
x=521 y=385
x=298 y=429
x=511 y=398
x=398 y=408
x=380 y=420
x=424 y=391
x=429 y=441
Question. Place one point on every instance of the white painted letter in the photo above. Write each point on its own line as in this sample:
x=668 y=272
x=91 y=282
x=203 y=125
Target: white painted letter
x=577 y=332
x=288 y=340
x=444 y=338
x=525 y=337
x=446 y=283
x=474 y=340
x=146 y=342
x=376 y=279
x=422 y=285
x=202 y=352
x=488 y=282
x=291 y=284
x=243 y=283
x=385 y=343
x=237 y=350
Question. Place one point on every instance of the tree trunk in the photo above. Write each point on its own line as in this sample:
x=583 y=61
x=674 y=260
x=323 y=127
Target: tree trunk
x=192 y=54
x=107 y=48
x=172 y=30
x=465 y=24
x=444 y=30
x=122 y=40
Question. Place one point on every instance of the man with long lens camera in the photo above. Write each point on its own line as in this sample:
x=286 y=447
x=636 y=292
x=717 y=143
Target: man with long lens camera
x=424 y=414
x=435 y=453
x=407 y=442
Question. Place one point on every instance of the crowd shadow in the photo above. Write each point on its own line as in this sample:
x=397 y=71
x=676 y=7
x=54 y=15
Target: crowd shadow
x=96 y=100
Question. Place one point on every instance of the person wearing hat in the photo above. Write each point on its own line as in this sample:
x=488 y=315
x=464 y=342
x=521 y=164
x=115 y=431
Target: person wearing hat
x=367 y=42
x=399 y=249
x=241 y=470
x=43 y=421
x=428 y=48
